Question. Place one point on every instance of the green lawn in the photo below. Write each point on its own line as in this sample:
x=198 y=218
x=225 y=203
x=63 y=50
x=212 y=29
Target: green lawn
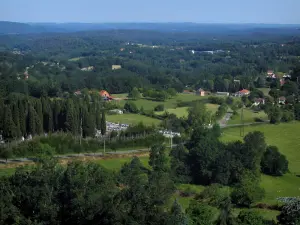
x=132 y=119
x=249 y=117
x=5 y=172
x=212 y=107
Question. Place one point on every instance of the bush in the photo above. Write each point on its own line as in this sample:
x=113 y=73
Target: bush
x=250 y=218
x=131 y=107
x=159 y=108
x=273 y=163
x=247 y=191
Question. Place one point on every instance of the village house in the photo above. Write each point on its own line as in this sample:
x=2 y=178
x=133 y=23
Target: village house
x=281 y=100
x=241 y=93
x=89 y=68
x=105 y=95
x=271 y=74
x=259 y=101
x=116 y=111
x=77 y=93
x=116 y=67
x=222 y=93
x=200 y=92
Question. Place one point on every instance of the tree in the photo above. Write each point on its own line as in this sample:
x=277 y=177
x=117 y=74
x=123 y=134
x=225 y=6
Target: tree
x=200 y=213
x=198 y=115
x=134 y=94
x=88 y=124
x=31 y=121
x=274 y=114
x=274 y=163
x=9 y=128
x=131 y=107
x=179 y=168
x=22 y=118
x=297 y=111
x=250 y=218
x=70 y=123
x=39 y=118
x=247 y=191
x=177 y=216
x=158 y=159
x=103 y=128
x=159 y=108
x=16 y=119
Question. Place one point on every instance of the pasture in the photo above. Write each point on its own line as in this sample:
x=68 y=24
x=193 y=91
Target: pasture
x=287 y=139
x=132 y=119
x=249 y=117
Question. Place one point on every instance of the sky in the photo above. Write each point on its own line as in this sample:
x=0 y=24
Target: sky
x=199 y=11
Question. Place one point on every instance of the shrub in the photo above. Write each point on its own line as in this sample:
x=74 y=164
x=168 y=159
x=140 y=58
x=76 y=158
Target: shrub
x=159 y=108
x=273 y=162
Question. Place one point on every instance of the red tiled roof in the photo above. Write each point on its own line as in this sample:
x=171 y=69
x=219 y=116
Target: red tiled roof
x=244 y=91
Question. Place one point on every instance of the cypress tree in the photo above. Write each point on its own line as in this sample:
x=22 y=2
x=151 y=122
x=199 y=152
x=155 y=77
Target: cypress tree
x=103 y=123
x=31 y=118
x=70 y=123
x=88 y=124
x=9 y=128
x=1 y=114
x=22 y=118
x=16 y=119
x=56 y=115
x=39 y=116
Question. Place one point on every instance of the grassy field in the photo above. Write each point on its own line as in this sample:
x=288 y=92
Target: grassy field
x=285 y=137
x=75 y=59
x=169 y=104
x=117 y=163
x=249 y=117
x=132 y=119
x=183 y=111
x=265 y=91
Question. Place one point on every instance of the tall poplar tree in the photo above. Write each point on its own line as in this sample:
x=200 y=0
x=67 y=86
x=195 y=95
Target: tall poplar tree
x=15 y=117
x=9 y=128
x=22 y=117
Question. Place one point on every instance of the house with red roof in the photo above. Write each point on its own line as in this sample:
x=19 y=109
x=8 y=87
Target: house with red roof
x=105 y=95
x=241 y=93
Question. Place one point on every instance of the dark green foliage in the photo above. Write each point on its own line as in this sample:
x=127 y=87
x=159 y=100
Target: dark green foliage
x=177 y=216
x=88 y=124
x=9 y=128
x=248 y=190
x=71 y=119
x=200 y=213
x=16 y=120
x=134 y=94
x=249 y=218
x=131 y=107
x=273 y=162
x=159 y=108
x=103 y=123
x=179 y=169
x=31 y=121
x=158 y=159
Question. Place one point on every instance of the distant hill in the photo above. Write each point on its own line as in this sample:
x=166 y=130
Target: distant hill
x=27 y=28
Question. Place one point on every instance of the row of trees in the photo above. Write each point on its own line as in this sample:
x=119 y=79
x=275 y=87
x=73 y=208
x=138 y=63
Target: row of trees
x=23 y=116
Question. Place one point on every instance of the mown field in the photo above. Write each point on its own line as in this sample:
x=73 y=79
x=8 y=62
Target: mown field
x=132 y=119
x=249 y=117
x=149 y=104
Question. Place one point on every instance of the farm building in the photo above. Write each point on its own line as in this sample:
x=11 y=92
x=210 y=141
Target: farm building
x=259 y=101
x=116 y=67
x=241 y=93
x=222 y=93
x=200 y=92
x=281 y=100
